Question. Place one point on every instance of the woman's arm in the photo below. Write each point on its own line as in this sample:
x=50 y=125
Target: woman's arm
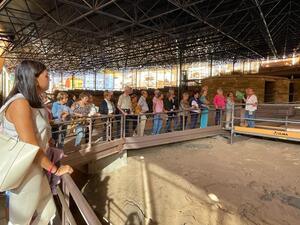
x=194 y=105
x=73 y=107
x=20 y=114
x=54 y=110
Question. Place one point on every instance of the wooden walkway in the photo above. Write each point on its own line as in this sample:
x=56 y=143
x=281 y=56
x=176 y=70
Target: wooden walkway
x=104 y=149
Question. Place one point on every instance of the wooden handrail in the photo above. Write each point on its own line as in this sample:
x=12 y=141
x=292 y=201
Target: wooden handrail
x=65 y=207
x=82 y=204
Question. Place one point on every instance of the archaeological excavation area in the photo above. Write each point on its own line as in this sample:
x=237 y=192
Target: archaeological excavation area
x=163 y=112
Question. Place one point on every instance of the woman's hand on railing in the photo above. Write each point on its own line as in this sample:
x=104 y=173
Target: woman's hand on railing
x=77 y=115
x=64 y=116
x=51 y=142
x=51 y=122
x=66 y=169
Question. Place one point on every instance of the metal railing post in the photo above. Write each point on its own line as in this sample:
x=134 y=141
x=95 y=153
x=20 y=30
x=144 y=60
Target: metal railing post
x=59 y=134
x=122 y=124
x=138 y=125
x=183 y=119
x=232 y=124
x=107 y=128
x=221 y=117
x=110 y=128
x=90 y=133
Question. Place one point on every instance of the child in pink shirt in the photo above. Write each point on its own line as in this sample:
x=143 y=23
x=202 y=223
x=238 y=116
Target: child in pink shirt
x=220 y=103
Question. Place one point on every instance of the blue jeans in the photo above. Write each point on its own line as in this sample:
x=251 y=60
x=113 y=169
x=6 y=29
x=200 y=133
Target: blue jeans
x=80 y=133
x=204 y=118
x=194 y=119
x=171 y=116
x=157 y=124
x=218 y=116
x=250 y=115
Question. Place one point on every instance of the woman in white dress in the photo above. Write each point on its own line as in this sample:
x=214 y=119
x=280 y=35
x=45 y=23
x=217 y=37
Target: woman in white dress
x=25 y=118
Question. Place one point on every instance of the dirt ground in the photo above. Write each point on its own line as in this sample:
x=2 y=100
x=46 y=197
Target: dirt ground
x=203 y=182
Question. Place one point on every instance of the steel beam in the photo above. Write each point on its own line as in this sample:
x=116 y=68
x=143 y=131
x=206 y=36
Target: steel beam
x=214 y=27
x=3 y=4
x=269 y=36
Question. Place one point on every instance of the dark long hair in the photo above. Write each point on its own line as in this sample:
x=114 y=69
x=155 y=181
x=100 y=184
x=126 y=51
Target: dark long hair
x=26 y=75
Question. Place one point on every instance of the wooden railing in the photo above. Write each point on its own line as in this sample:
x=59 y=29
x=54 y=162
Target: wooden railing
x=71 y=189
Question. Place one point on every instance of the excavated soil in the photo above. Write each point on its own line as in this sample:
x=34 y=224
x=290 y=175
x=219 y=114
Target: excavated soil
x=203 y=182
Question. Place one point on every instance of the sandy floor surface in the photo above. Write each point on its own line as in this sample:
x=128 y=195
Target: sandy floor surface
x=205 y=182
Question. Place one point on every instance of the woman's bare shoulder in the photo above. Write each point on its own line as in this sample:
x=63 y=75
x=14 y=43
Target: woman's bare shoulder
x=18 y=107
x=20 y=103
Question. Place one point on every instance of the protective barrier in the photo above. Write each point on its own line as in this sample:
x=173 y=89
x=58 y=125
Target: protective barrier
x=71 y=189
x=107 y=135
x=80 y=135
x=279 y=121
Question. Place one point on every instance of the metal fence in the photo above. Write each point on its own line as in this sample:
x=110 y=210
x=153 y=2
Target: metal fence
x=269 y=120
x=83 y=133
x=165 y=122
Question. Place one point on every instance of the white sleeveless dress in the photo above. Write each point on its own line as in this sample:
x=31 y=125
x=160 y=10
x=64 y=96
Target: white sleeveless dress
x=34 y=194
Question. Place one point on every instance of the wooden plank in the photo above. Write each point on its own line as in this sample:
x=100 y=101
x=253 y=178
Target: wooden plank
x=84 y=207
x=149 y=141
x=96 y=152
x=172 y=134
x=279 y=134
x=81 y=160
x=103 y=150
